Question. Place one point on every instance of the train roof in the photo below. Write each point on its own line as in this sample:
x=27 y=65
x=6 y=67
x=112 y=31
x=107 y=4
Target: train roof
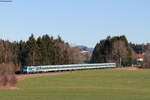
x=70 y=65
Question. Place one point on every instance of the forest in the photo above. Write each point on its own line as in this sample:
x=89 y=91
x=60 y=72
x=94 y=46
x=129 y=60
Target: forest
x=47 y=50
x=117 y=49
x=44 y=50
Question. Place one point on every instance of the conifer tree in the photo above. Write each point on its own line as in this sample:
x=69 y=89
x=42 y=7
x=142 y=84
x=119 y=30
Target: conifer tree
x=115 y=49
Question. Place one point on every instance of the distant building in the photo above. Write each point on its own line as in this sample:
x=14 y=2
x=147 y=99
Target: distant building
x=140 y=57
x=84 y=52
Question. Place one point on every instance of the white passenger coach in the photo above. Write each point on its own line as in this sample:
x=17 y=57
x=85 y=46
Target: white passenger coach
x=55 y=68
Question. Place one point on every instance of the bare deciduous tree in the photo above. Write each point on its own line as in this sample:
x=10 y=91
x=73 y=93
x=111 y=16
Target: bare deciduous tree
x=147 y=57
x=7 y=75
x=5 y=51
x=73 y=54
x=119 y=51
x=76 y=56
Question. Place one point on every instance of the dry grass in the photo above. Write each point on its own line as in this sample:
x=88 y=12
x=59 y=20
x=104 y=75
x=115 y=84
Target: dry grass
x=27 y=76
x=128 y=68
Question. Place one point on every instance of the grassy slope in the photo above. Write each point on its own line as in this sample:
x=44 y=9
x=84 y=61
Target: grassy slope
x=84 y=85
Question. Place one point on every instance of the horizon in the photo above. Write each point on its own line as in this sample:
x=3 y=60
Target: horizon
x=78 y=22
x=68 y=42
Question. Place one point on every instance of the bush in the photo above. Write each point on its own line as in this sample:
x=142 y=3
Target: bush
x=7 y=75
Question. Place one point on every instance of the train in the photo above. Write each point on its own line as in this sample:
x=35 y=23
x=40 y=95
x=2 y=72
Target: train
x=72 y=67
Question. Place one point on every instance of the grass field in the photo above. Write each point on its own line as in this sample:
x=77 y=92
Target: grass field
x=84 y=85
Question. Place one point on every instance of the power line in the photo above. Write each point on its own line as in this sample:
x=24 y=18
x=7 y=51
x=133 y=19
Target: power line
x=5 y=0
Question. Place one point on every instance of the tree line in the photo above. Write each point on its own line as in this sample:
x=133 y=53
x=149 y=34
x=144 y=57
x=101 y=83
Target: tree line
x=47 y=50
x=113 y=49
x=44 y=50
x=138 y=48
x=117 y=50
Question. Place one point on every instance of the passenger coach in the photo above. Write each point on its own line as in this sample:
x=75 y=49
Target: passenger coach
x=55 y=68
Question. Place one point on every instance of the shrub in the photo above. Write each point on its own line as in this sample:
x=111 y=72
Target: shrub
x=7 y=75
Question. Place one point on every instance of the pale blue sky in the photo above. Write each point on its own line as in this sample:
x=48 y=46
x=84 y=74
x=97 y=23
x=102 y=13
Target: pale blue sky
x=82 y=22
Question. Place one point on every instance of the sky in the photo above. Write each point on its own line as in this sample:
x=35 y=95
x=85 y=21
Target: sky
x=79 y=22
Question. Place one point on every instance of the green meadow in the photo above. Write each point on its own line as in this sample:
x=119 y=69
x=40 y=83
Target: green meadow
x=84 y=85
